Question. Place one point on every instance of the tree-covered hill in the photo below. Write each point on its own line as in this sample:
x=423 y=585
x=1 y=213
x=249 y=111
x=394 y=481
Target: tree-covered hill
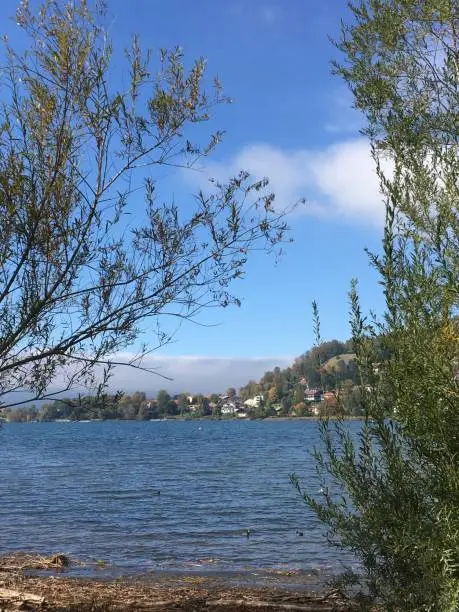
x=328 y=367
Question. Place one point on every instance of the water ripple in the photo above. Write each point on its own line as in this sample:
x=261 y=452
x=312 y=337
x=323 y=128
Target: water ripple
x=156 y=494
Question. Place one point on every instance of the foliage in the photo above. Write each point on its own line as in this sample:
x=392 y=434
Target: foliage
x=90 y=256
x=231 y=392
x=328 y=365
x=102 y=407
x=98 y=407
x=163 y=402
x=300 y=409
x=182 y=404
x=20 y=415
x=117 y=406
x=391 y=493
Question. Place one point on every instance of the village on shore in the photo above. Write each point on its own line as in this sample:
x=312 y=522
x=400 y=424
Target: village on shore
x=323 y=382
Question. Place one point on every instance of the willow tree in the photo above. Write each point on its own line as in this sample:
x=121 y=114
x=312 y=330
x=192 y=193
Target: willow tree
x=90 y=254
x=391 y=492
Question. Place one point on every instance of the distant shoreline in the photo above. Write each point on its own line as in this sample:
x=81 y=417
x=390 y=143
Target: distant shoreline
x=198 y=419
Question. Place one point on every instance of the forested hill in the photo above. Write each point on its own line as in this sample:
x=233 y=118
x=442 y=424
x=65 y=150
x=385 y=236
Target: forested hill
x=327 y=367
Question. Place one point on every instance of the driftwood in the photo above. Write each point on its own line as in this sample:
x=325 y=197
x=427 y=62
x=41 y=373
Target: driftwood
x=22 y=562
x=235 y=603
x=332 y=601
x=20 y=597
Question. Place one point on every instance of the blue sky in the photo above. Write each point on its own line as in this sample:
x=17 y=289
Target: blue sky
x=292 y=121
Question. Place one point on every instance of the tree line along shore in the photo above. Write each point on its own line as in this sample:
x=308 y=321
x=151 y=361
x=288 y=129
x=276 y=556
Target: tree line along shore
x=321 y=382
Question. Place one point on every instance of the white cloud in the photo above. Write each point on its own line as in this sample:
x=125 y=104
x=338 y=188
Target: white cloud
x=345 y=175
x=338 y=182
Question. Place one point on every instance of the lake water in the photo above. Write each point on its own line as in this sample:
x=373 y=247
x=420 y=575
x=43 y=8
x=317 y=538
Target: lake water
x=91 y=490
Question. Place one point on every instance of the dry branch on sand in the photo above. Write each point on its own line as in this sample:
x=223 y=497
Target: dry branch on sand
x=23 y=561
x=20 y=597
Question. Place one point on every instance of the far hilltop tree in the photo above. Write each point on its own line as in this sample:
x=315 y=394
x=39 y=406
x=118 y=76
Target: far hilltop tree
x=138 y=398
x=144 y=412
x=92 y=253
x=299 y=394
x=231 y=392
x=273 y=395
x=202 y=405
x=215 y=398
x=182 y=404
x=162 y=401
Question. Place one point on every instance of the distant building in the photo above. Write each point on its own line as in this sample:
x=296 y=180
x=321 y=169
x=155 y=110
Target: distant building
x=313 y=395
x=229 y=408
x=254 y=402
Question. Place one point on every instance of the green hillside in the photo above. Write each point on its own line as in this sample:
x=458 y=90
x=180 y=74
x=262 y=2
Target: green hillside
x=328 y=367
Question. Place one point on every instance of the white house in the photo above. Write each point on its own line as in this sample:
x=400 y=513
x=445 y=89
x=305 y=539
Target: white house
x=254 y=402
x=229 y=408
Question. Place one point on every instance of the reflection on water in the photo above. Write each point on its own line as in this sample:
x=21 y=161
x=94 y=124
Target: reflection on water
x=162 y=495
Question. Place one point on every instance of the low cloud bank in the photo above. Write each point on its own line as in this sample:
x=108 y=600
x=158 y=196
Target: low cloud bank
x=194 y=373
